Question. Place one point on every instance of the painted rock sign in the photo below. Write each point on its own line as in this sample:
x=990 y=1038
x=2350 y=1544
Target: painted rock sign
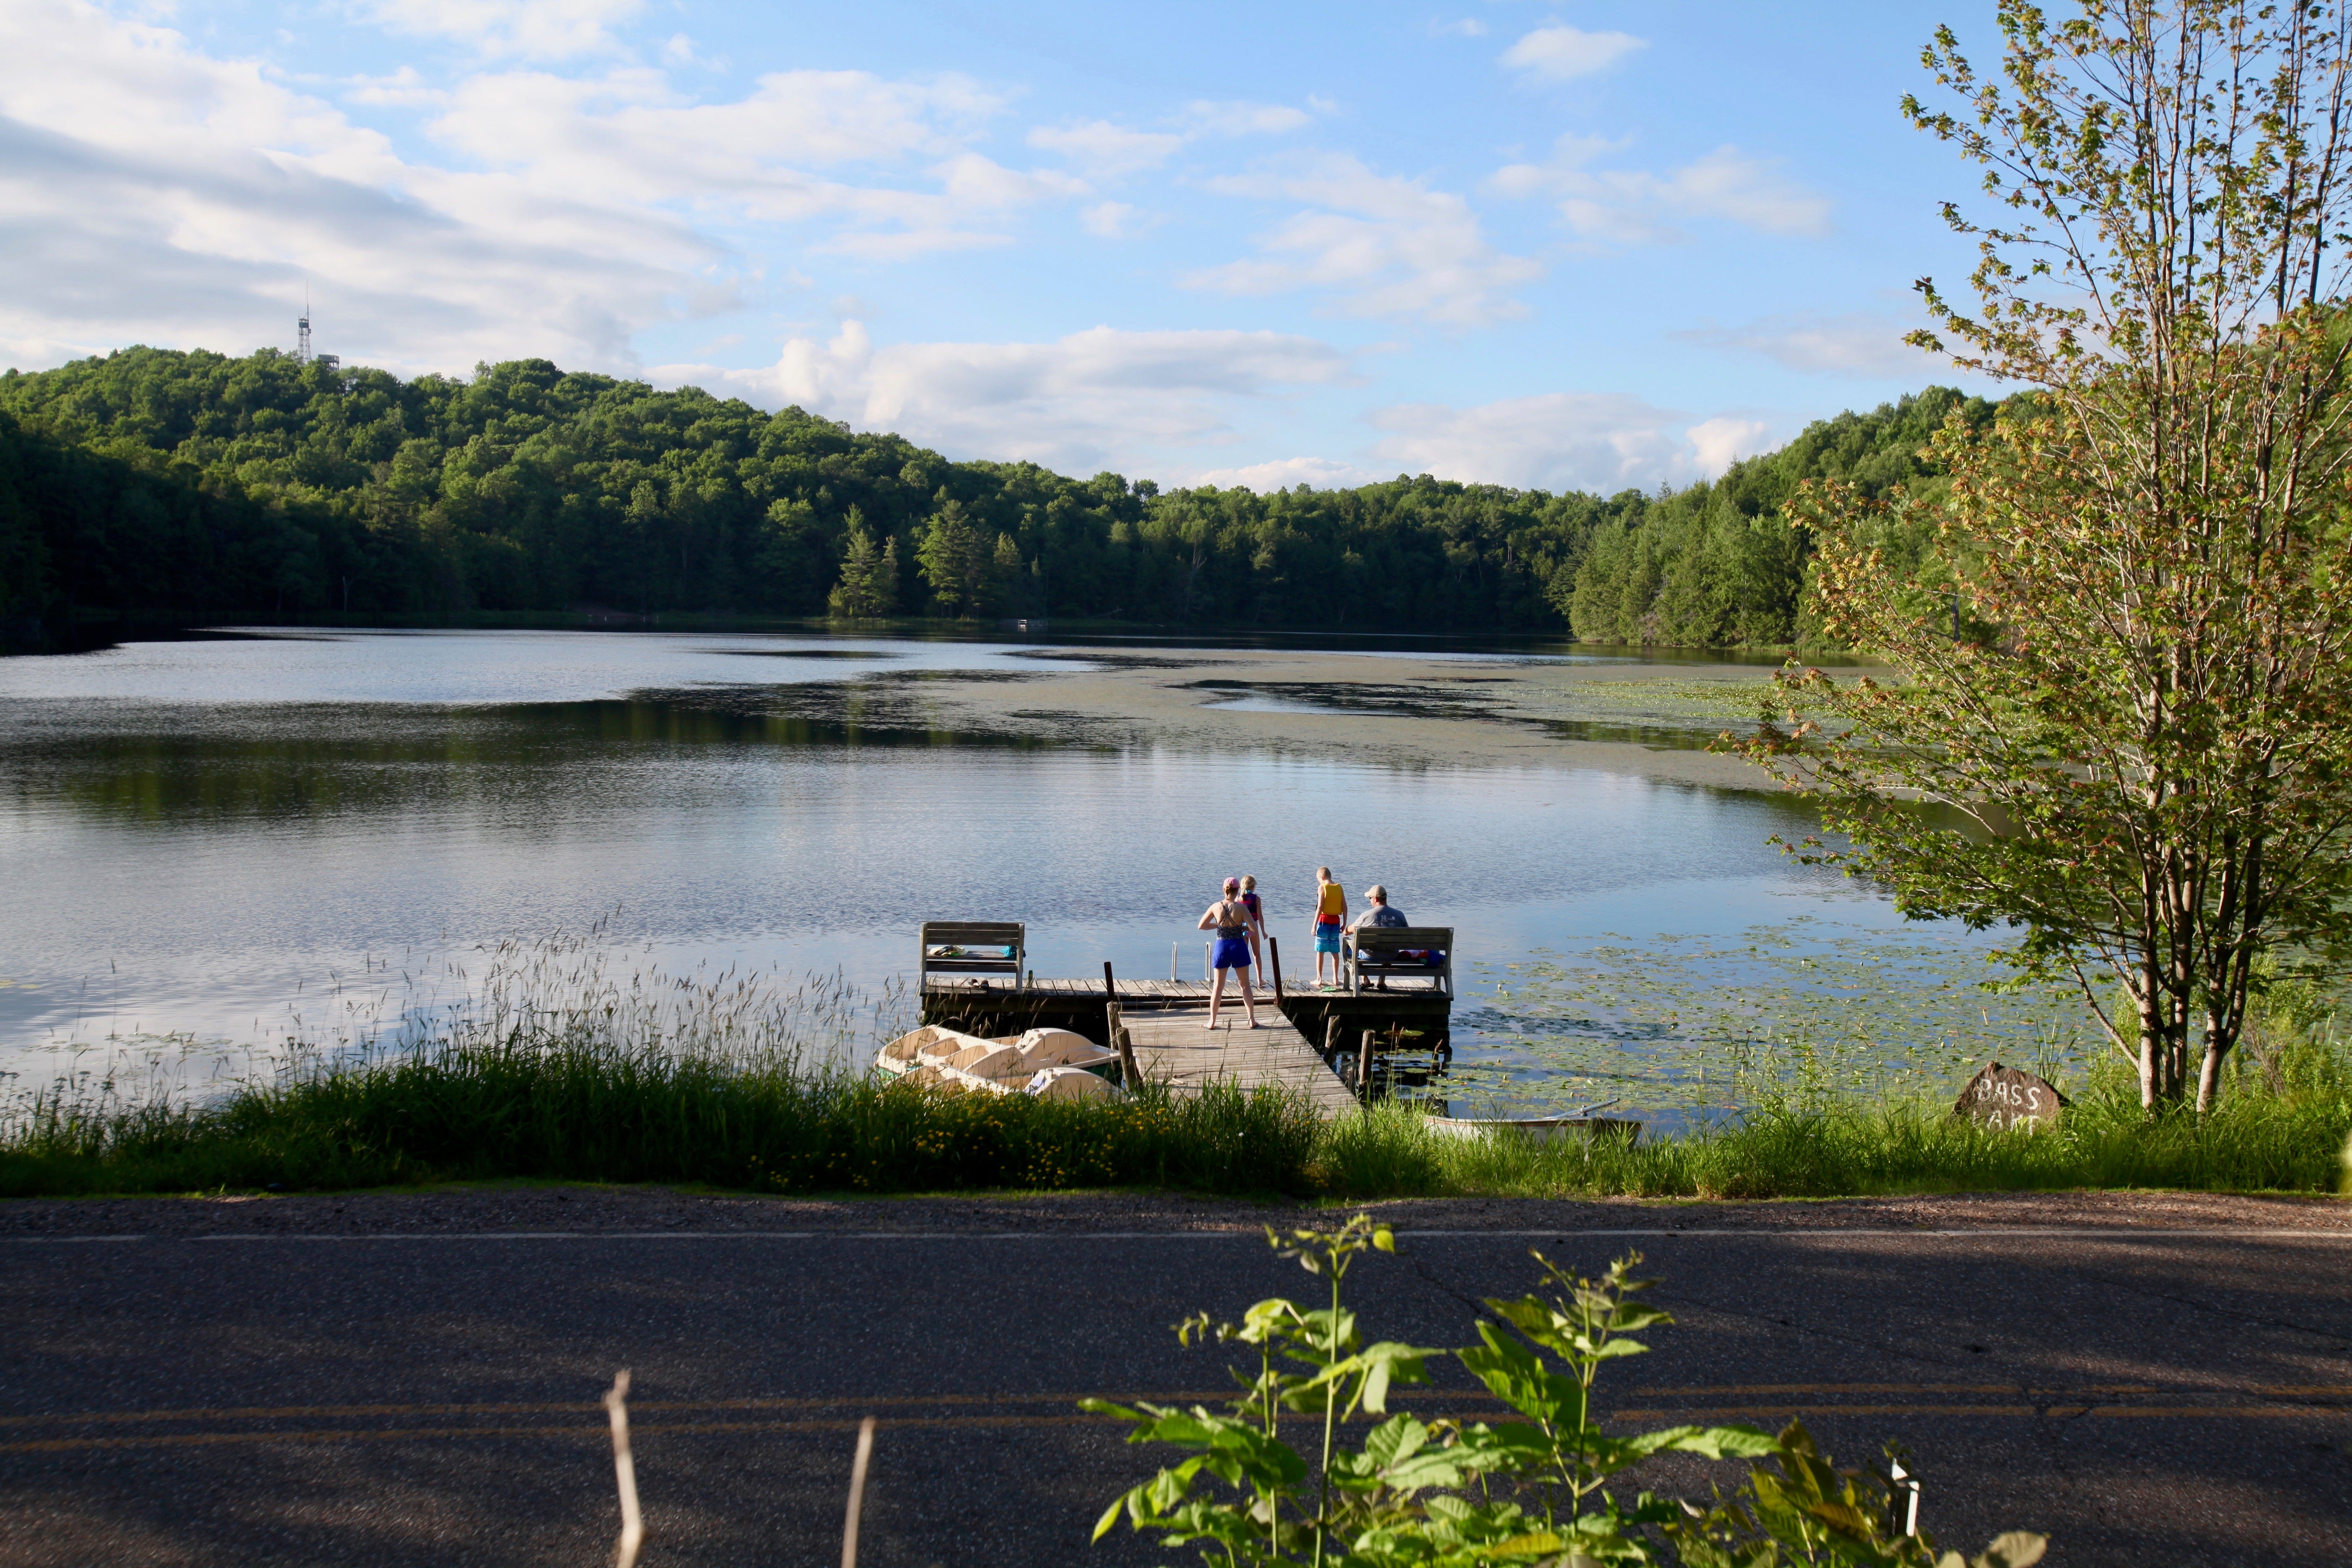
x=2008 y=1098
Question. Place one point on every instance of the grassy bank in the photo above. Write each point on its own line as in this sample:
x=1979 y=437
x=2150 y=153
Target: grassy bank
x=575 y=1106
x=585 y=1110
x=2259 y=1143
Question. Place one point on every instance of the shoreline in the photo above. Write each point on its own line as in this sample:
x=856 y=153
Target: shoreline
x=552 y=1210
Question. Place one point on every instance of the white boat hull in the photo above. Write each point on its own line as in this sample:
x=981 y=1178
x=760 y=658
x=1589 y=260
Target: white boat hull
x=1044 y=1062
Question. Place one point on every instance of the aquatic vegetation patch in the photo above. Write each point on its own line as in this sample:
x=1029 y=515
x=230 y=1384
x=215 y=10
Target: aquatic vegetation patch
x=1698 y=1025
x=800 y=653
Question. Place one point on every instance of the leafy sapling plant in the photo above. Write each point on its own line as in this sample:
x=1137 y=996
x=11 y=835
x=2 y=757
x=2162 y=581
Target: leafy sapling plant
x=1558 y=1456
x=1542 y=1489
x=1312 y=1364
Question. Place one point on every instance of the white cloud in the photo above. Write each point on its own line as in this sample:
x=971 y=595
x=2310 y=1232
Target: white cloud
x=1202 y=116
x=1564 y=53
x=1720 y=442
x=1388 y=247
x=1093 y=398
x=151 y=192
x=1322 y=473
x=1468 y=27
x=1603 y=442
x=628 y=131
x=1118 y=220
x=535 y=29
x=1635 y=206
x=403 y=88
x=1856 y=343
x=1107 y=150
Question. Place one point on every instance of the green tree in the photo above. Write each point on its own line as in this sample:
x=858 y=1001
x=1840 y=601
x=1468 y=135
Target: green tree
x=953 y=560
x=2147 y=727
x=869 y=577
x=1006 y=577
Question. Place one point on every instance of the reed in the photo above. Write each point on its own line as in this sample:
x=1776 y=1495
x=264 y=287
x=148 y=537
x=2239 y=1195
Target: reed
x=579 y=1110
x=2256 y=1141
x=569 y=1108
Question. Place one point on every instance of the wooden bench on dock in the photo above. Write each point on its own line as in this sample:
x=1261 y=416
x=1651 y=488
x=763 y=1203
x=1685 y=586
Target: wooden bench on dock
x=1379 y=953
x=974 y=947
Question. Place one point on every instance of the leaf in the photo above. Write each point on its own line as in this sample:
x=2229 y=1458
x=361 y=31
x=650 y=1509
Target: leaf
x=1436 y=1467
x=1389 y=1361
x=1612 y=1349
x=2013 y=1548
x=1398 y=1437
x=1518 y=1377
x=1535 y=1545
x=1708 y=1442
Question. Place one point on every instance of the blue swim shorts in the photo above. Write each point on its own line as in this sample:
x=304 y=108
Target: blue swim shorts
x=1327 y=936
x=1233 y=952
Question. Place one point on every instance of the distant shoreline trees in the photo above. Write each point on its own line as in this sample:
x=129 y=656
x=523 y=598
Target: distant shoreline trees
x=156 y=482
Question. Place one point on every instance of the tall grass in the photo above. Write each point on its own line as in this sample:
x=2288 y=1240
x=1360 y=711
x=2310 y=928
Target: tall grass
x=733 y=1083
x=576 y=1107
x=585 y=1110
x=2281 y=1125
x=2252 y=1144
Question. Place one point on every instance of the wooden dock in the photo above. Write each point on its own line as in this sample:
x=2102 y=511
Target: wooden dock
x=1000 y=1008
x=1175 y=1045
x=971 y=976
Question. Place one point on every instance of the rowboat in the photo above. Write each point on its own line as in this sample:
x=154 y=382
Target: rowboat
x=1536 y=1129
x=1052 y=1064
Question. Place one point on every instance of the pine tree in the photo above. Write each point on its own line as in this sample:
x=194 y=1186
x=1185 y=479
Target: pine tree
x=949 y=550
x=869 y=578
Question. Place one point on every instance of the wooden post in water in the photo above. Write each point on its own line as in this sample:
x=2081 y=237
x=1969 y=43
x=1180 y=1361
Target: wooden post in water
x=1274 y=954
x=1331 y=1038
x=1364 y=1065
x=1127 y=1072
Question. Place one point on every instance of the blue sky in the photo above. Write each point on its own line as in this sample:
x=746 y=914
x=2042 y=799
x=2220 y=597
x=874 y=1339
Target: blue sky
x=1577 y=245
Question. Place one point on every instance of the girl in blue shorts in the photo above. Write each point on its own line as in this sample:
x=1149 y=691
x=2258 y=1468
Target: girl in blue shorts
x=1231 y=918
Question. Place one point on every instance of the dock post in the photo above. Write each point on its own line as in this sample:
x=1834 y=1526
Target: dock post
x=1273 y=954
x=1117 y=1029
x=1331 y=1038
x=1364 y=1065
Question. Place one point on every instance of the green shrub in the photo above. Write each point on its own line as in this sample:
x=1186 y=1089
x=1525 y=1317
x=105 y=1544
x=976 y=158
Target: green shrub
x=1544 y=1489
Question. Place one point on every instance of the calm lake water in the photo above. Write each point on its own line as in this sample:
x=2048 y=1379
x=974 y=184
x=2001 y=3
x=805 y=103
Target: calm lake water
x=206 y=839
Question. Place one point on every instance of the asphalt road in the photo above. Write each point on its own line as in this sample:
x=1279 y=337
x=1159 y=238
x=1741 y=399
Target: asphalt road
x=2140 y=1396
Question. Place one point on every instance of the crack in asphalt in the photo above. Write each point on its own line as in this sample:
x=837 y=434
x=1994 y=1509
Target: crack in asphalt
x=2335 y=1338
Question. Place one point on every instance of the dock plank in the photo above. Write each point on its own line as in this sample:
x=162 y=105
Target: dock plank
x=1175 y=1044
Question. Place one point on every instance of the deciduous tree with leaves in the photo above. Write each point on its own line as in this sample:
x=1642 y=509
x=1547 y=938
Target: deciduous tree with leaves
x=2138 y=703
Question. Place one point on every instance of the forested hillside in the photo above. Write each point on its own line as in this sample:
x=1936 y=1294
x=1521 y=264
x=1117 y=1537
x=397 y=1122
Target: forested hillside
x=161 y=482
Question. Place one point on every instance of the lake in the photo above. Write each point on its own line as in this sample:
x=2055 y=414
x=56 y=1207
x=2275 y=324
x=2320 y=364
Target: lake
x=210 y=845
